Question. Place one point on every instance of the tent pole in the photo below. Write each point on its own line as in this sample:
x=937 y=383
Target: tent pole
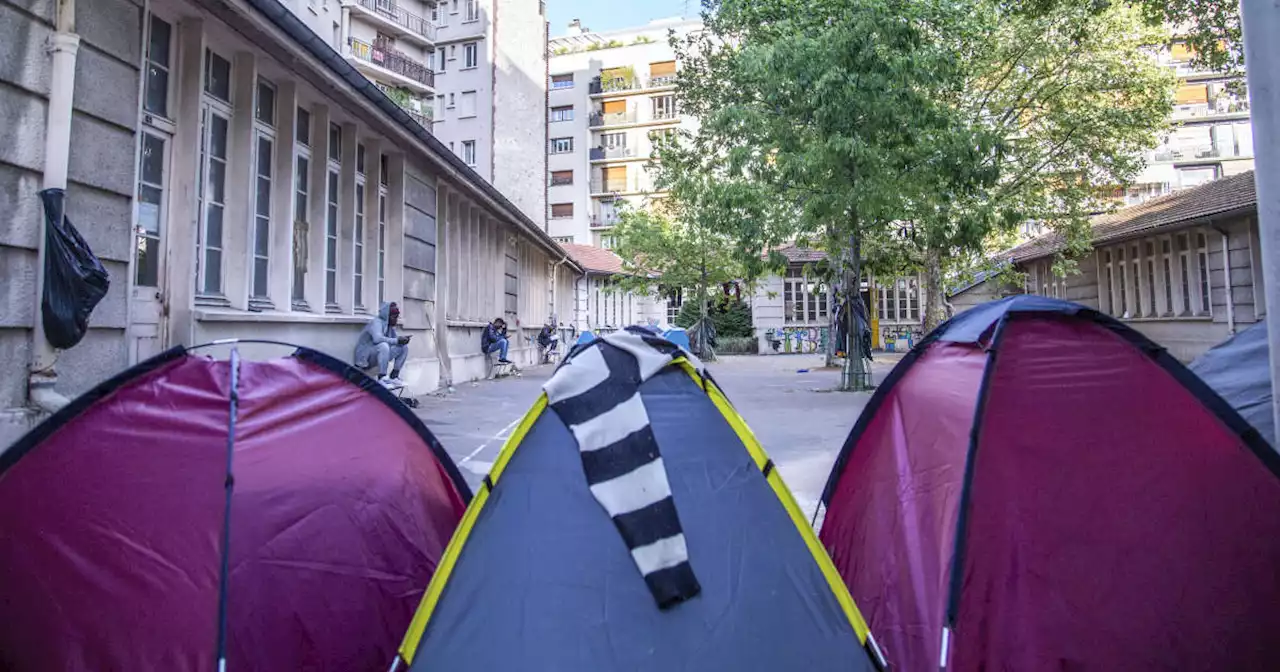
x=395 y=664
x=229 y=485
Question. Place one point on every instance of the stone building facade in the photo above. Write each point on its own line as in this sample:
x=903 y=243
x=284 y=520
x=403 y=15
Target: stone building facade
x=241 y=179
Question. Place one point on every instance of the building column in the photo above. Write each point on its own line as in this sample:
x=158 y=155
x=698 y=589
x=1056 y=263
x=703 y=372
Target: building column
x=237 y=256
x=444 y=269
x=347 y=219
x=372 y=185
x=183 y=215
x=280 y=263
x=395 y=228
x=318 y=195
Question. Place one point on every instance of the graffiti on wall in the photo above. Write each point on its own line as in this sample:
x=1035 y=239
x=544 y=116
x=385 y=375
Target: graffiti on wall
x=799 y=340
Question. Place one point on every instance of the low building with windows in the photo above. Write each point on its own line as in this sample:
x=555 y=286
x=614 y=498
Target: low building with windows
x=1182 y=268
x=600 y=306
x=241 y=179
x=791 y=312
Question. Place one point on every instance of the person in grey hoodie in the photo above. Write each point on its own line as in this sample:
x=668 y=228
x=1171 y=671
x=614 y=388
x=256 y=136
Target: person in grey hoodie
x=378 y=342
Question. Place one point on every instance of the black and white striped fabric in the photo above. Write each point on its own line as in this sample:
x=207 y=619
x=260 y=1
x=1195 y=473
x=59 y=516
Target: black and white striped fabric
x=596 y=392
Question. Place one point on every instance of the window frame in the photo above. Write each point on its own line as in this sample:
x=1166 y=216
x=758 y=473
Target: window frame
x=558 y=114
x=558 y=143
x=210 y=107
x=470 y=55
x=469 y=147
x=561 y=78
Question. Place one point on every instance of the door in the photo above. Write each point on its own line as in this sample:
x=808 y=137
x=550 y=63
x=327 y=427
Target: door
x=148 y=310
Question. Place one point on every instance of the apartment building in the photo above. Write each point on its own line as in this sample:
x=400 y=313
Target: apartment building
x=238 y=181
x=473 y=72
x=611 y=95
x=1211 y=135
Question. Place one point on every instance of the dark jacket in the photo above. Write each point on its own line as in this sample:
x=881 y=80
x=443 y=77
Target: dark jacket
x=490 y=336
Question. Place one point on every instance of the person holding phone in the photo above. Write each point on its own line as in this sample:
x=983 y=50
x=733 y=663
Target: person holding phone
x=494 y=340
x=380 y=343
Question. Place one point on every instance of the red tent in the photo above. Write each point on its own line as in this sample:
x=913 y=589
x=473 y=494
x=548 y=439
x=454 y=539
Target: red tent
x=1039 y=487
x=111 y=544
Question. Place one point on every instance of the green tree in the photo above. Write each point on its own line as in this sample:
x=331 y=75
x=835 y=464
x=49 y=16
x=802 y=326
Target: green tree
x=1076 y=99
x=834 y=108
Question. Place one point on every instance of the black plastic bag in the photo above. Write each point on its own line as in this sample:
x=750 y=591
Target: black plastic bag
x=74 y=279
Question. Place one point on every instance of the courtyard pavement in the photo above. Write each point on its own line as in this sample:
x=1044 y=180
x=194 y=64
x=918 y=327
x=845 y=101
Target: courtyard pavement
x=787 y=400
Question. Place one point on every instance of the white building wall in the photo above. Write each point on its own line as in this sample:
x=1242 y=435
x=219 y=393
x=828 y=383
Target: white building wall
x=635 y=48
x=520 y=97
x=456 y=120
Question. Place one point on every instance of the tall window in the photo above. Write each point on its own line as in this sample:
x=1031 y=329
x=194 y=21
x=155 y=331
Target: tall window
x=613 y=140
x=301 y=204
x=358 y=280
x=1184 y=264
x=335 y=143
x=159 y=52
x=1202 y=261
x=469 y=152
x=664 y=107
x=151 y=187
x=562 y=145
x=331 y=238
x=215 y=122
x=804 y=299
x=382 y=244
x=264 y=159
x=1135 y=276
x=511 y=286
x=470 y=55
x=473 y=11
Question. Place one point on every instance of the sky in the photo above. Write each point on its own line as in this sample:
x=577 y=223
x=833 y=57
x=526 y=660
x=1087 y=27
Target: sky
x=605 y=15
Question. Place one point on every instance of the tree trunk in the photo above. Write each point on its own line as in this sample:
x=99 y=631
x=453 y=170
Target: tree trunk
x=854 y=377
x=935 y=309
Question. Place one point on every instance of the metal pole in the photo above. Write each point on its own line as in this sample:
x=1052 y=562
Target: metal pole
x=229 y=484
x=1261 y=23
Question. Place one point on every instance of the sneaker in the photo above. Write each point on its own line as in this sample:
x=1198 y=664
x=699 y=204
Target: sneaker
x=505 y=361
x=390 y=383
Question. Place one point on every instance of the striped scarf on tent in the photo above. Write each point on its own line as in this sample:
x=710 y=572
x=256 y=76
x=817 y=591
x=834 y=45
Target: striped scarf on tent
x=596 y=393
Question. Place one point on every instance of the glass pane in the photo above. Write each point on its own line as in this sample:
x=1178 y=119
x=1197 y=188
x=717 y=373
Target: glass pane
x=333 y=187
x=264 y=157
x=331 y=287
x=218 y=136
x=213 y=226
x=158 y=48
x=152 y=159
x=331 y=252
x=266 y=109
x=359 y=291
x=217 y=80
x=359 y=261
x=264 y=197
x=303 y=134
x=157 y=95
x=148 y=265
x=212 y=271
x=331 y=226
x=359 y=199
x=360 y=158
x=335 y=142
x=149 y=209
x=262 y=237
x=260 y=278
x=217 y=181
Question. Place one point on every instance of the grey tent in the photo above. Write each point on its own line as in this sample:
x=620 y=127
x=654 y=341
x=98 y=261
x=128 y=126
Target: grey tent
x=549 y=571
x=1239 y=370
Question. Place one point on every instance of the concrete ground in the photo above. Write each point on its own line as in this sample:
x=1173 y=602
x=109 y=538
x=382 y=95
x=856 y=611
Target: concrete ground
x=800 y=421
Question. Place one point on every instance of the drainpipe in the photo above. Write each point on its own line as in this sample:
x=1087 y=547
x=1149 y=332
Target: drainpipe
x=62 y=47
x=1226 y=274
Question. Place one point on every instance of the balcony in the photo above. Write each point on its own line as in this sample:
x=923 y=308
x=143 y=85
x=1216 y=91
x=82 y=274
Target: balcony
x=600 y=119
x=1221 y=108
x=632 y=184
x=1196 y=153
x=603 y=222
x=392 y=19
x=382 y=62
x=601 y=86
x=606 y=153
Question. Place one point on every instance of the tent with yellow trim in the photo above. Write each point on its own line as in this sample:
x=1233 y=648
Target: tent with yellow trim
x=545 y=574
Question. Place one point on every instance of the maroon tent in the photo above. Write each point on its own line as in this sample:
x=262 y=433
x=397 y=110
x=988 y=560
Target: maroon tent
x=111 y=541
x=1039 y=487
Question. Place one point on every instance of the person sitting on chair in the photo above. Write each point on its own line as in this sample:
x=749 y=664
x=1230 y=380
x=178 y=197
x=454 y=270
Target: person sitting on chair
x=548 y=339
x=494 y=339
x=380 y=344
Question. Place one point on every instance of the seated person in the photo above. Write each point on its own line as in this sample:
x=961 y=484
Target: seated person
x=494 y=339
x=378 y=342
x=548 y=339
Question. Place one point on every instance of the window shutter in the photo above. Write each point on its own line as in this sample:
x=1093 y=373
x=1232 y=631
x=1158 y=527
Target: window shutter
x=615 y=106
x=662 y=68
x=1192 y=93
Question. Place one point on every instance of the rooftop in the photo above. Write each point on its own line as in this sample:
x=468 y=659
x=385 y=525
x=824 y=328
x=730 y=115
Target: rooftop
x=1209 y=200
x=594 y=259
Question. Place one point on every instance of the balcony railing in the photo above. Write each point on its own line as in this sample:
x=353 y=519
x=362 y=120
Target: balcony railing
x=1196 y=153
x=424 y=120
x=613 y=118
x=631 y=184
x=383 y=56
x=598 y=222
x=630 y=83
x=601 y=153
x=1218 y=108
x=658 y=81
x=396 y=14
